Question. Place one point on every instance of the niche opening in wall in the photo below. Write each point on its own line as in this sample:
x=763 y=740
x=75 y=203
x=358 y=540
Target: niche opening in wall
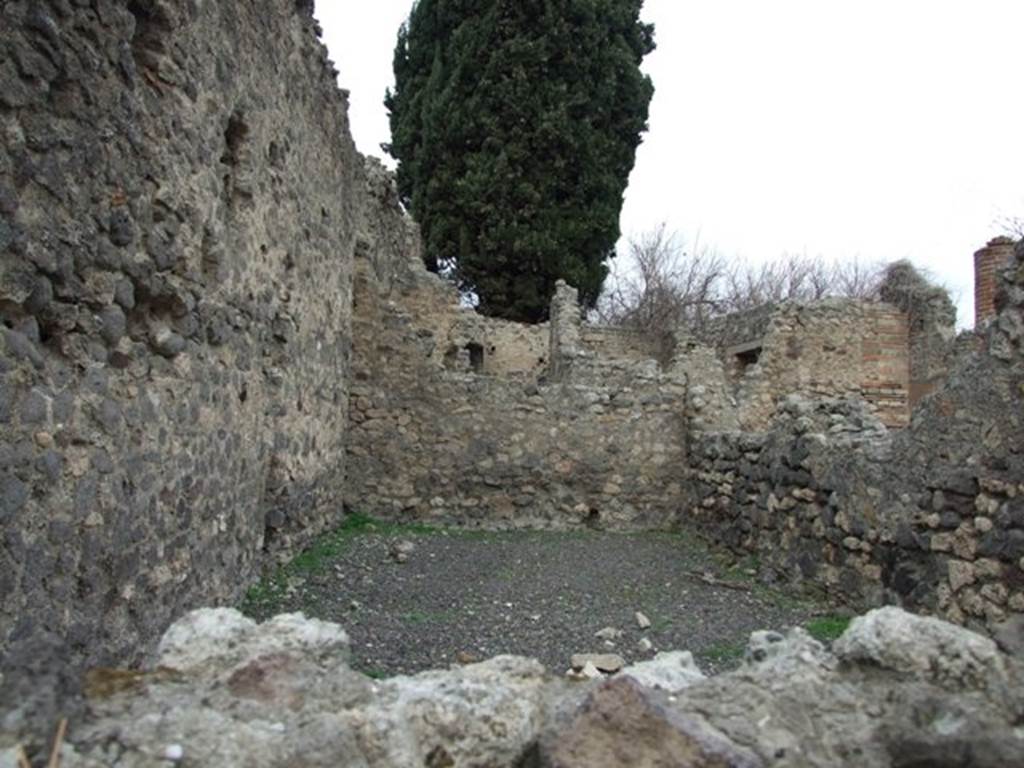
x=476 y=357
x=745 y=358
x=748 y=358
x=235 y=134
x=469 y=357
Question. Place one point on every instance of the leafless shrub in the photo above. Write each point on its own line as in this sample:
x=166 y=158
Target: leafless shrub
x=796 y=278
x=915 y=292
x=661 y=285
x=1013 y=226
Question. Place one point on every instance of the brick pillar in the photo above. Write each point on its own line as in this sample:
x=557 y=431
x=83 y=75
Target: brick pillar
x=987 y=263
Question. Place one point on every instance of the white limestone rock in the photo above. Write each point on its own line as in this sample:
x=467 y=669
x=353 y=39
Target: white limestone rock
x=670 y=671
x=482 y=714
x=927 y=649
x=223 y=636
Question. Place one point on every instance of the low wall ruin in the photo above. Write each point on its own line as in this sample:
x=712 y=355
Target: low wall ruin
x=830 y=348
x=486 y=442
x=930 y=517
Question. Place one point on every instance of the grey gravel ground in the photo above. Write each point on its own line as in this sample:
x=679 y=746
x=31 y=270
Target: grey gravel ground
x=466 y=596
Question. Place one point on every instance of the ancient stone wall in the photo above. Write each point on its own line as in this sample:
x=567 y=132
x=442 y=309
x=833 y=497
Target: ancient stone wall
x=614 y=343
x=930 y=317
x=833 y=348
x=179 y=200
x=436 y=438
x=930 y=516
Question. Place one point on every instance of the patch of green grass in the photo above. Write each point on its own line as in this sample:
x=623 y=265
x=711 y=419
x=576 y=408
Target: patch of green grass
x=783 y=600
x=262 y=595
x=724 y=652
x=266 y=596
x=474 y=534
x=828 y=628
x=660 y=623
x=374 y=673
x=744 y=570
x=505 y=574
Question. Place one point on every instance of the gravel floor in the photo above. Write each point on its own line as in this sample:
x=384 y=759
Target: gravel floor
x=466 y=596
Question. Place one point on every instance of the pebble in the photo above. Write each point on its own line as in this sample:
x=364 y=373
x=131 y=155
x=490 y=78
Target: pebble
x=400 y=550
x=588 y=672
x=608 y=633
x=174 y=753
x=642 y=621
x=606 y=662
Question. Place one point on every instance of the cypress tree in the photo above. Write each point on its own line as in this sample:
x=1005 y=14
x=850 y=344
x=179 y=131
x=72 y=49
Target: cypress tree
x=515 y=125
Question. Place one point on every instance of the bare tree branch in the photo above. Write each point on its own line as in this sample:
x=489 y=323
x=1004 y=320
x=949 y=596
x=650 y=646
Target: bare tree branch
x=662 y=286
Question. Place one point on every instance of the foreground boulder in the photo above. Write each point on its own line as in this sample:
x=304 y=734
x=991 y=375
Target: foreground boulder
x=896 y=690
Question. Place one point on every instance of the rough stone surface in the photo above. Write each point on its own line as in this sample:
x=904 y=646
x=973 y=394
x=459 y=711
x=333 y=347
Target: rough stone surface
x=463 y=419
x=621 y=724
x=925 y=516
x=670 y=671
x=923 y=648
x=232 y=693
x=281 y=694
x=181 y=200
x=836 y=348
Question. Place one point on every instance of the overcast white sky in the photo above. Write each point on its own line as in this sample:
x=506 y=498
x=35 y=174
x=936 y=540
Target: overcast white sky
x=878 y=129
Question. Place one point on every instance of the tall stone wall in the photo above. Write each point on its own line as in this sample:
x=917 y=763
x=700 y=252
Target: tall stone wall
x=179 y=199
x=437 y=439
x=931 y=516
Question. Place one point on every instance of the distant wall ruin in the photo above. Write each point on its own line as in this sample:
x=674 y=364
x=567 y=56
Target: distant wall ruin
x=459 y=418
x=930 y=517
x=834 y=347
x=786 y=433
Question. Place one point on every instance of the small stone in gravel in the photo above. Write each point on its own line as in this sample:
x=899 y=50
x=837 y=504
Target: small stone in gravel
x=645 y=645
x=174 y=753
x=588 y=672
x=642 y=621
x=608 y=633
x=606 y=662
x=400 y=550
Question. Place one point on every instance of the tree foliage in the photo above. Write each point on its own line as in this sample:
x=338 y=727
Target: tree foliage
x=515 y=124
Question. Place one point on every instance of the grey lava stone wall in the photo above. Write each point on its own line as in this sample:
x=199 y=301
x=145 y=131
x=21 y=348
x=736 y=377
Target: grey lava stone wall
x=931 y=517
x=178 y=204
